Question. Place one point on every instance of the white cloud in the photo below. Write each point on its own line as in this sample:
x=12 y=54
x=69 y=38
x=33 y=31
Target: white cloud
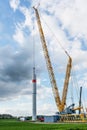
x=73 y=20
x=73 y=17
x=28 y=16
x=14 y=4
x=24 y=28
x=19 y=36
x=45 y=101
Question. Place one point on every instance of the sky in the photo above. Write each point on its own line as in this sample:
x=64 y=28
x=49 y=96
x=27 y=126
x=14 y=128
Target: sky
x=64 y=23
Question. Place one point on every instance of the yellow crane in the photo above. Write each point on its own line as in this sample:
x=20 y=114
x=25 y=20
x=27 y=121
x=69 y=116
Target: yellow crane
x=59 y=102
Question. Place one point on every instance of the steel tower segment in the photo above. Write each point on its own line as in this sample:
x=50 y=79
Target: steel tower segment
x=34 y=96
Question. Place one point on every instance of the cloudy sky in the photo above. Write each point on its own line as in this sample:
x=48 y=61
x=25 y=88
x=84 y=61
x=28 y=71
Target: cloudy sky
x=64 y=23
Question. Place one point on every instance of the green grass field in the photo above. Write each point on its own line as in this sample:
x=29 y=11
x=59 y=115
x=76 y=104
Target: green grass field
x=17 y=125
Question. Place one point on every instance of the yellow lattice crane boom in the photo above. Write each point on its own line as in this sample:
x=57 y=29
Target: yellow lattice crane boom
x=60 y=103
x=66 y=83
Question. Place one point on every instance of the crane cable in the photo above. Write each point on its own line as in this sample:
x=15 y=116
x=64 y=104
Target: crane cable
x=75 y=83
x=77 y=88
x=33 y=40
x=56 y=38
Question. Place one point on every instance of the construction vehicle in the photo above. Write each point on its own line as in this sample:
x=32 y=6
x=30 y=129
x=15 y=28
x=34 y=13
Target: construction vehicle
x=60 y=103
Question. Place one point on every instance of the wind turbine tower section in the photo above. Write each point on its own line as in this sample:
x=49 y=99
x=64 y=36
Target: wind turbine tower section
x=34 y=117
